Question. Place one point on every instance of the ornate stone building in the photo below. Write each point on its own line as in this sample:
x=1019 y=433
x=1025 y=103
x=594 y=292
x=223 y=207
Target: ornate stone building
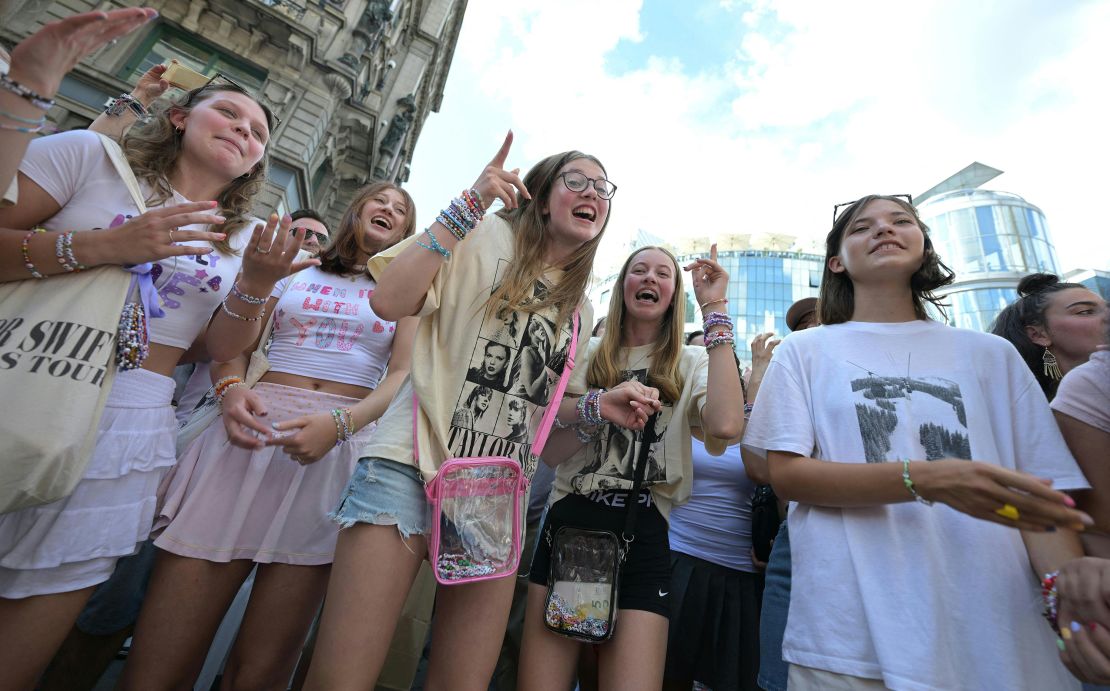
x=352 y=81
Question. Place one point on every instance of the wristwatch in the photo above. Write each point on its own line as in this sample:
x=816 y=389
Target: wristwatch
x=116 y=107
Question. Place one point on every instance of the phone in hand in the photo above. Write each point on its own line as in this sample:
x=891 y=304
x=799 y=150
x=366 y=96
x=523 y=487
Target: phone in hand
x=184 y=77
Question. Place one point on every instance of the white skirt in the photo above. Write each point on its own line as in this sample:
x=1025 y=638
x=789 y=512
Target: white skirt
x=74 y=543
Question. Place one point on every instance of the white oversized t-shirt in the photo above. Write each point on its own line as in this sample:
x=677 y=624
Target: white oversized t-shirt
x=923 y=597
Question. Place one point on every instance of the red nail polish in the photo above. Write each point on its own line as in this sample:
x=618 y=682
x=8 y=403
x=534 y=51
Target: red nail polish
x=1092 y=626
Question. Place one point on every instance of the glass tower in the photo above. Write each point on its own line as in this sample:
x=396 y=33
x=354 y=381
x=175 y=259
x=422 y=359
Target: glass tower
x=990 y=239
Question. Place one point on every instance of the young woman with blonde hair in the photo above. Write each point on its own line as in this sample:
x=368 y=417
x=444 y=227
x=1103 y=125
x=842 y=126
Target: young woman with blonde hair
x=210 y=145
x=294 y=439
x=693 y=388
x=533 y=257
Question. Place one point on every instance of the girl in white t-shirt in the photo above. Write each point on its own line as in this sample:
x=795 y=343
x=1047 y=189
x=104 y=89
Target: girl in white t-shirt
x=294 y=440
x=534 y=258
x=697 y=388
x=880 y=407
x=210 y=145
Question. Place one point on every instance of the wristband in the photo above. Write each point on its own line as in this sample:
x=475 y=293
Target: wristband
x=909 y=484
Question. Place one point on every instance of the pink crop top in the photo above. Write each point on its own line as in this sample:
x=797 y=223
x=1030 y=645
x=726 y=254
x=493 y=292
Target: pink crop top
x=73 y=168
x=324 y=328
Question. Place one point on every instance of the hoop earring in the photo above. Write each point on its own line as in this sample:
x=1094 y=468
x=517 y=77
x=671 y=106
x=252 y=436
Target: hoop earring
x=1051 y=366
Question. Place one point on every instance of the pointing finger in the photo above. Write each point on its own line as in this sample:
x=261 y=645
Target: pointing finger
x=503 y=153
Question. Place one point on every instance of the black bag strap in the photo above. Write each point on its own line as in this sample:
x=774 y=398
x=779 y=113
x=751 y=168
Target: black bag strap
x=647 y=438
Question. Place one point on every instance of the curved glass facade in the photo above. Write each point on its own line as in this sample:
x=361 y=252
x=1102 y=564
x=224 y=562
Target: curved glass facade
x=990 y=239
x=762 y=286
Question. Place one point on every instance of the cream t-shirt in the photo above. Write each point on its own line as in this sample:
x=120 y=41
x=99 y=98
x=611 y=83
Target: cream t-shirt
x=607 y=463
x=482 y=377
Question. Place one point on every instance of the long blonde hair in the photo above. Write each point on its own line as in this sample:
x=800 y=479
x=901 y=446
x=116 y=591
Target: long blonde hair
x=664 y=373
x=530 y=243
x=152 y=150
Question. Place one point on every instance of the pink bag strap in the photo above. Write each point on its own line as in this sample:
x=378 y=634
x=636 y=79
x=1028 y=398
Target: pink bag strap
x=552 y=406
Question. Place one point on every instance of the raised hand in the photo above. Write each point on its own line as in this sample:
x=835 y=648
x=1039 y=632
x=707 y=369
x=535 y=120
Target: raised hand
x=41 y=60
x=310 y=438
x=763 y=346
x=153 y=235
x=241 y=409
x=710 y=280
x=983 y=489
x=497 y=183
x=271 y=254
x=150 y=85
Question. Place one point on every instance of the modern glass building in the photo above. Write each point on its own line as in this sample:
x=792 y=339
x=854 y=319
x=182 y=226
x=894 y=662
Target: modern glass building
x=990 y=239
x=762 y=286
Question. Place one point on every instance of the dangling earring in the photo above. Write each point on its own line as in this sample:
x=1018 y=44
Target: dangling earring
x=1051 y=366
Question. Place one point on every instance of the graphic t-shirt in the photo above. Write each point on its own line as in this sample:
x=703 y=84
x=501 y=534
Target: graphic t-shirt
x=73 y=168
x=922 y=597
x=482 y=376
x=325 y=328
x=607 y=463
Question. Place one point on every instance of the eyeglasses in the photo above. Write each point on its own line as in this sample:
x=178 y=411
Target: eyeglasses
x=322 y=238
x=837 y=208
x=576 y=182
x=228 y=81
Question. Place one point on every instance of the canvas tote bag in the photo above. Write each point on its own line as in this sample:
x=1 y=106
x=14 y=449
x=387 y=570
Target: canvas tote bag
x=57 y=363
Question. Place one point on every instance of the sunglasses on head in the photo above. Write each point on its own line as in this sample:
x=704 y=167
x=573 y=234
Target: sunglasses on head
x=838 y=208
x=225 y=80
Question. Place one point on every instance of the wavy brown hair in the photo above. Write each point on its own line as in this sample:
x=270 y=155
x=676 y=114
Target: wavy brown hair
x=152 y=149
x=530 y=244
x=837 y=298
x=664 y=373
x=341 y=256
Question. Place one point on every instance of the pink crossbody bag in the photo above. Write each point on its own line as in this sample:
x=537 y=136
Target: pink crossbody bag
x=478 y=503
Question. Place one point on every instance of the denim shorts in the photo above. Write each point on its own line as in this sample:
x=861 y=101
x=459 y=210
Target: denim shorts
x=773 y=670
x=384 y=492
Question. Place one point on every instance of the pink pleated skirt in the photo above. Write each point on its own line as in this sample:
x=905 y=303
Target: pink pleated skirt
x=223 y=502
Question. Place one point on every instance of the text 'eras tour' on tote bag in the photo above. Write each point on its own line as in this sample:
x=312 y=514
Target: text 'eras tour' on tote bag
x=478 y=503
x=57 y=364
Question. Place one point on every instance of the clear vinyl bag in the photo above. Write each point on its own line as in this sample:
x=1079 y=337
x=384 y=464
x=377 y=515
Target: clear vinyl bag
x=582 y=585
x=478 y=505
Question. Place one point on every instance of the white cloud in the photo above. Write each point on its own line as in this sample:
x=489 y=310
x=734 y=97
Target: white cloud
x=823 y=102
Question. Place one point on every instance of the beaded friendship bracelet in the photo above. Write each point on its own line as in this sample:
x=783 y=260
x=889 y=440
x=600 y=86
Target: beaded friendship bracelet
x=249 y=299
x=344 y=427
x=715 y=319
x=36 y=99
x=132 y=344
x=1051 y=597
x=25 y=250
x=63 y=251
x=34 y=122
x=719 y=338
x=435 y=246
x=909 y=484
x=236 y=315
x=224 y=385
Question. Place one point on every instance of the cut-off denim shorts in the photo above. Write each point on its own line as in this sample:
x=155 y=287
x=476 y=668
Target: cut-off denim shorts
x=385 y=492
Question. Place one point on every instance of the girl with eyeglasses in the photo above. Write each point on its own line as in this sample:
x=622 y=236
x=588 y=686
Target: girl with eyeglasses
x=690 y=388
x=257 y=486
x=210 y=145
x=926 y=475
x=534 y=258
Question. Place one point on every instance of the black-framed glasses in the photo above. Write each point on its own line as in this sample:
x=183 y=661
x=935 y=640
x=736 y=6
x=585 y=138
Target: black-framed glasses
x=228 y=81
x=576 y=182
x=322 y=238
x=839 y=207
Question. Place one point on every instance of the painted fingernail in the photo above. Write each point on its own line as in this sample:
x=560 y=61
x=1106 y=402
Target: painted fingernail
x=274 y=425
x=1092 y=626
x=1069 y=501
x=1065 y=634
x=1075 y=626
x=1060 y=644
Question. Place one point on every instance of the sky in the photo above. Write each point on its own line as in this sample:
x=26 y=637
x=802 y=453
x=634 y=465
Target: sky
x=725 y=116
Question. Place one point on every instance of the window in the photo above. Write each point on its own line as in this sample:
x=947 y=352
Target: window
x=166 y=43
x=290 y=181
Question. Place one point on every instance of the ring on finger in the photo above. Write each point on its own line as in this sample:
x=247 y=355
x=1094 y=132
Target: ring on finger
x=263 y=251
x=171 y=235
x=1009 y=511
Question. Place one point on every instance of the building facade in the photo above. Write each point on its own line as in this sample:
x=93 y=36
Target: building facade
x=990 y=239
x=351 y=81
x=1098 y=281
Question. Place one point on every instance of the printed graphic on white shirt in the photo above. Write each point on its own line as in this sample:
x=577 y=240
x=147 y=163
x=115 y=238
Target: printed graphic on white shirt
x=925 y=414
x=616 y=449
x=514 y=366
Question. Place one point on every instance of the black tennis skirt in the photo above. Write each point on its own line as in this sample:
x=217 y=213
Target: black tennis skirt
x=714 y=631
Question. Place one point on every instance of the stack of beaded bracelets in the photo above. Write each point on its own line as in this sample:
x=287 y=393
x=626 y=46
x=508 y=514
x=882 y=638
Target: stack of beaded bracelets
x=63 y=250
x=249 y=299
x=344 y=428
x=1051 y=599
x=589 y=414
x=132 y=340
x=35 y=124
x=224 y=385
x=717 y=338
x=460 y=217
